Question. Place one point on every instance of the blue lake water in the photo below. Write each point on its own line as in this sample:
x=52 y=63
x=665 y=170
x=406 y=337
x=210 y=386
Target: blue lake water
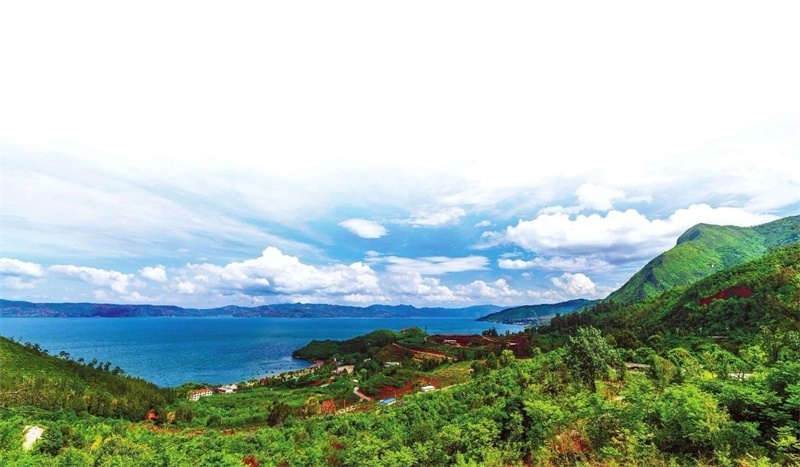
x=172 y=351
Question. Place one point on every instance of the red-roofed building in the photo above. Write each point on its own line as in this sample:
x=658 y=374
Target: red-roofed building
x=196 y=394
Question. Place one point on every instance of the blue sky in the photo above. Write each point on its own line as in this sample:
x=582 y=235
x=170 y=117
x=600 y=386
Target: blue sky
x=443 y=154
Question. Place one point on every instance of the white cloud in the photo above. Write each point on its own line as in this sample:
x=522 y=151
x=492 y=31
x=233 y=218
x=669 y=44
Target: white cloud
x=274 y=273
x=580 y=285
x=596 y=197
x=436 y=218
x=556 y=263
x=431 y=265
x=412 y=287
x=19 y=275
x=570 y=286
x=115 y=280
x=499 y=292
x=364 y=228
x=484 y=223
x=15 y=267
x=618 y=236
x=156 y=273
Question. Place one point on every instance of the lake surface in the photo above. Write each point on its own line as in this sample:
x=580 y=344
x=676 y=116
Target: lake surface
x=172 y=351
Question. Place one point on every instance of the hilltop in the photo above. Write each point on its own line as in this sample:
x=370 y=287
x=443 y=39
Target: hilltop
x=757 y=298
x=536 y=314
x=703 y=250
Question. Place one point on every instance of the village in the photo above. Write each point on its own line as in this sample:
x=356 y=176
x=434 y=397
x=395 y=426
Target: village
x=367 y=373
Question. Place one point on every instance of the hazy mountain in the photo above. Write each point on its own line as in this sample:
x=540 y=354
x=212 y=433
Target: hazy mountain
x=10 y=308
x=536 y=314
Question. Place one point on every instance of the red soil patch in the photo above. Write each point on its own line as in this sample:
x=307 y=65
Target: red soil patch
x=570 y=443
x=328 y=407
x=250 y=461
x=391 y=391
x=731 y=292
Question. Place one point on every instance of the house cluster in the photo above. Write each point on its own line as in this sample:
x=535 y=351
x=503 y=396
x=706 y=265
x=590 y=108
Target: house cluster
x=196 y=394
x=228 y=389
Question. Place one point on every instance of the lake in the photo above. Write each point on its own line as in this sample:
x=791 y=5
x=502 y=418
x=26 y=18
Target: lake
x=172 y=351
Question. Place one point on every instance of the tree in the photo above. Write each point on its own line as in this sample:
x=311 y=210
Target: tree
x=588 y=355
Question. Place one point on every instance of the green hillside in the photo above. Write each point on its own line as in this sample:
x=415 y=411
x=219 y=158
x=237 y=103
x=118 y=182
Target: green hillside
x=703 y=250
x=31 y=377
x=535 y=314
x=735 y=306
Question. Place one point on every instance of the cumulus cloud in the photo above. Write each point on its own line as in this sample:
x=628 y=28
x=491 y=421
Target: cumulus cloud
x=15 y=267
x=479 y=291
x=436 y=218
x=431 y=265
x=412 y=287
x=274 y=273
x=364 y=228
x=484 y=223
x=17 y=275
x=599 y=198
x=569 y=286
x=117 y=281
x=156 y=273
x=619 y=236
x=405 y=280
x=580 y=285
x=556 y=263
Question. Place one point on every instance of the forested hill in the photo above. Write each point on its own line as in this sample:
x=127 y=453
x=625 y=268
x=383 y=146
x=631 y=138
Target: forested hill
x=703 y=250
x=536 y=314
x=10 y=308
x=759 y=298
x=29 y=376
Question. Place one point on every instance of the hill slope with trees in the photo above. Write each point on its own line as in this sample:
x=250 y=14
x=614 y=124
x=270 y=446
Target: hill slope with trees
x=703 y=250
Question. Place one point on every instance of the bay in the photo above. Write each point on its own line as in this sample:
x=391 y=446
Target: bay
x=173 y=351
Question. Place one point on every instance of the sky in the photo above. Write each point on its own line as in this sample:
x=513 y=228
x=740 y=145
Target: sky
x=428 y=153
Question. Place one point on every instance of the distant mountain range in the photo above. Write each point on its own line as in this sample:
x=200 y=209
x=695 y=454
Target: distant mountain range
x=21 y=309
x=536 y=314
x=704 y=250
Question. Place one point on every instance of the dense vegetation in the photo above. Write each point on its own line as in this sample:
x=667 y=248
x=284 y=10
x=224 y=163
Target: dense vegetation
x=576 y=404
x=706 y=373
x=703 y=250
x=31 y=377
x=757 y=298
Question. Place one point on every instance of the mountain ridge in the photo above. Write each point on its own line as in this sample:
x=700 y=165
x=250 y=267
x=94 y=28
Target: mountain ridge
x=703 y=250
x=11 y=308
x=536 y=314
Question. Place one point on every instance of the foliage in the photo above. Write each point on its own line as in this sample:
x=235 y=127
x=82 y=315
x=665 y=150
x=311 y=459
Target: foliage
x=703 y=250
x=29 y=376
x=589 y=356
